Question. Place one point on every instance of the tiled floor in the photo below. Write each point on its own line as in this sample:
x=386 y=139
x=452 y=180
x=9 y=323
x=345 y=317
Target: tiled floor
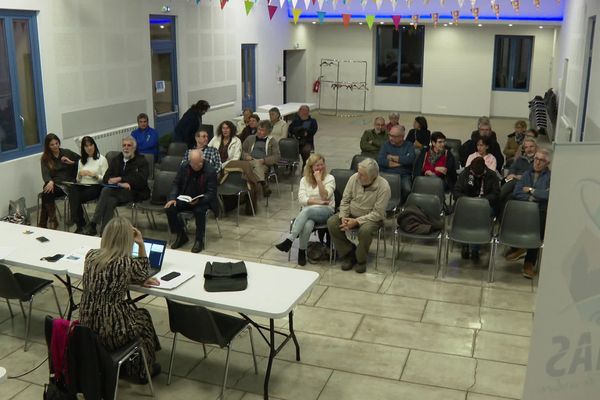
x=380 y=335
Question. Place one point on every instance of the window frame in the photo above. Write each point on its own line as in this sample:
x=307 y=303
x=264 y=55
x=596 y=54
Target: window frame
x=512 y=64
x=31 y=16
x=377 y=50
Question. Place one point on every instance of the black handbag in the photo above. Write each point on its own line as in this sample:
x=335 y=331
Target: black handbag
x=225 y=277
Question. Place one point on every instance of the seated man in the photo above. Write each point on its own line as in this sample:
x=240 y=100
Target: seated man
x=520 y=165
x=484 y=128
x=534 y=186
x=372 y=139
x=477 y=180
x=194 y=178
x=393 y=120
x=127 y=176
x=362 y=207
x=146 y=137
x=304 y=128
x=241 y=124
x=397 y=156
x=437 y=160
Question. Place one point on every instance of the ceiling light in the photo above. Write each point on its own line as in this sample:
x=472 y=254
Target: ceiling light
x=381 y=23
x=449 y=23
x=541 y=27
x=445 y=24
x=479 y=25
x=360 y=23
x=314 y=22
x=411 y=24
x=162 y=27
x=509 y=24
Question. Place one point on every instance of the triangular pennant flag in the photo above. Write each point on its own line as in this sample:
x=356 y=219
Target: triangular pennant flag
x=294 y=2
x=363 y=3
x=396 y=20
x=272 y=10
x=197 y=2
x=281 y=3
x=460 y=3
x=321 y=15
x=415 y=21
x=249 y=5
x=409 y=3
x=321 y=2
x=296 y=12
x=394 y=4
x=425 y=2
x=370 y=19
x=306 y=4
x=223 y=2
x=475 y=12
x=442 y=2
x=455 y=16
x=334 y=3
x=435 y=17
x=378 y=3
x=497 y=10
x=473 y=2
x=314 y=1
x=346 y=19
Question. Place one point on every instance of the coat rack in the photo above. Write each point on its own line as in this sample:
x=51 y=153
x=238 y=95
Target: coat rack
x=329 y=67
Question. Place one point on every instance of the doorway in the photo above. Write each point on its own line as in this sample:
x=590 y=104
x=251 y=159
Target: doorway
x=294 y=70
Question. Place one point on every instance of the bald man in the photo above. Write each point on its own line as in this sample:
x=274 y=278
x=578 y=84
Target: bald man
x=194 y=178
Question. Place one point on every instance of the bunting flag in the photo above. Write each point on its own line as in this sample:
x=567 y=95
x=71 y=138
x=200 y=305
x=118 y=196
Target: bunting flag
x=370 y=19
x=460 y=3
x=435 y=17
x=321 y=15
x=296 y=12
x=346 y=19
x=223 y=2
x=442 y=3
x=197 y=2
x=321 y=2
x=394 y=4
x=497 y=10
x=473 y=2
x=396 y=20
x=272 y=10
x=306 y=4
x=334 y=4
x=537 y=3
x=475 y=12
x=281 y=3
x=378 y=3
x=455 y=15
x=425 y=2
x=294 y=3
x=249 y=5
x=515 y=4
x=415 y=20
x=363 y=3
x=408 y=3
x=314 y=1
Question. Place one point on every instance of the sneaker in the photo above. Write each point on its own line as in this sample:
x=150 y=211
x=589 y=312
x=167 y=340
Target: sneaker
x=528 y=271
x=516 y=254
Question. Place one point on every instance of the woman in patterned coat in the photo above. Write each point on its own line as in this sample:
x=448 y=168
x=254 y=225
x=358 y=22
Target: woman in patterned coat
x=104 y=308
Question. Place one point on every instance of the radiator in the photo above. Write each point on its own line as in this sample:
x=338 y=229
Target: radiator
x=107 y=140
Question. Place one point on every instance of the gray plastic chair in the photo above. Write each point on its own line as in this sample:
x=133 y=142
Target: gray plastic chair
x=111 y=155
x=430 y=204
x=394 y=180
x=160 y=191
x=471 y=224
x=235 y=185
x=170 y=163
x=356 y=160
x=454 y=146
x=177 y=149
x=520 y=228
x=430 y=185
x=290 y=156
x=150 y=160
x=341 y=177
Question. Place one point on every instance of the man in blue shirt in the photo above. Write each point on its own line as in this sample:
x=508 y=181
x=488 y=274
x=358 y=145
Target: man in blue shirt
x=146 y=137
x=397 y=156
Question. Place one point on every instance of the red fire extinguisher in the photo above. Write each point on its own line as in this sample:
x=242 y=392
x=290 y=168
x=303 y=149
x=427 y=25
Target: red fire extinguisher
x=317 y=86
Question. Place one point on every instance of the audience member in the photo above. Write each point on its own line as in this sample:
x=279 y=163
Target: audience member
x=211 y=155
x=514 y=141
x=250 y=128
x=397 y=156
x=225 y=141
x=190 y=123
x=393 y=120
x=126 y=180
x=303 y=128
x=483 y=146
x=195 y=177
x=372 y=139
x=437 y=160
x=521 y=165
x=534 y=186
x=280 y=127
x=477 y=180
x=105 y=308
x=362 y=207
x=58 y=165
x=90 y=172
x=419 y=135
x=241 y=124
x=315 y=195
x=146 y=137
x=470 y=146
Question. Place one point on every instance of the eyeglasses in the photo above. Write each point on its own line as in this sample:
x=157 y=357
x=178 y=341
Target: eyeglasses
x=396 y=136
x=540 y=159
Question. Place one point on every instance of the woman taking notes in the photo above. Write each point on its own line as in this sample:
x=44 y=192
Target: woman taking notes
x=315 y=195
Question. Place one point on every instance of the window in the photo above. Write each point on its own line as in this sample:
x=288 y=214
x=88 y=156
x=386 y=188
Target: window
x=400 y=55
x=22 y=122
x=512 y=62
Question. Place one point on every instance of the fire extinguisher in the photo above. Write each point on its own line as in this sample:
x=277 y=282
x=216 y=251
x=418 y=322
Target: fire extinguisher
x=317 y=86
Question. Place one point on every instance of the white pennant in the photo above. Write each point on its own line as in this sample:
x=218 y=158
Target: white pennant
x=294 y=2
x=363 y=3
x=334 y=3
x=378 y=3
x=394 y=4
x=460 y=3
x=281 y=3
x=306 y=3
x=321 y=4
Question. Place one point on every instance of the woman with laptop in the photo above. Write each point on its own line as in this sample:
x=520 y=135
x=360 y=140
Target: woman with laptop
x=108 y=272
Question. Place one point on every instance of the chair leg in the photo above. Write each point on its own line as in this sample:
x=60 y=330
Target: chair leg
x=377 y=250
x=438 y=257
x=252 y=347
x=226 y=371
x=394 y=240
x=218 y=228
x=172 y=358
x=251 y=204
x=491 y=265
x=204 y=350
x=57 y=303
x=28 y=326
x=445 y=266
x=237 y=220
x=145 y=361
x=12 y=315
x=22 y=309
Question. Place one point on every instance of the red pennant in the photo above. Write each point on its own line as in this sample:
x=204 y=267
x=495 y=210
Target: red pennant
x=346 y=19
x=223 y=2
x=272 y=10
x=314 y=1
x=396 y=19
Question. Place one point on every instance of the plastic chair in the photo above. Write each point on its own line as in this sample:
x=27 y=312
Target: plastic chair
x=454 y=146
x=150 y=160
x=170 y=163
x=189 y=215
x=356 y=160
x=394 y=180
x=202 y=325
x=471 y=224
x=341 y=177
x=111 y=155
x=177 y=149
x=160 y=191
x=235 y=185
x=430 y=185
x=520 y=228
x=430 y=204
x=23 y=288
x=290 y=155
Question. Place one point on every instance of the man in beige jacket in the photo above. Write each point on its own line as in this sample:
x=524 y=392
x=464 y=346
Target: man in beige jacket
x=363 y=207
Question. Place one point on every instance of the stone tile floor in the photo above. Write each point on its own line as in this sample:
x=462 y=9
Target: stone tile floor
x=387 y=334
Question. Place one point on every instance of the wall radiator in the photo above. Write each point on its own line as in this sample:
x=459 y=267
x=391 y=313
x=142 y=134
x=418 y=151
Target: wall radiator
x=107 y=140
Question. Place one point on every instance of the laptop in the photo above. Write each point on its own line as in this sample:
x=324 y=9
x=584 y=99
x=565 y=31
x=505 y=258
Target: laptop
x=155 y=249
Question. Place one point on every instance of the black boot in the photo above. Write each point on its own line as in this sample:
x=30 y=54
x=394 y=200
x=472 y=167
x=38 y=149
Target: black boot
x=284 y=246
x=464 y=253
x=180 y=241
x=198 y=246
x=90 y=229
x=301 y=257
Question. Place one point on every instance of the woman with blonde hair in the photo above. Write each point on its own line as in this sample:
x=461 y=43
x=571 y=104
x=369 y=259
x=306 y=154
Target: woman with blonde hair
x=315 y=194
x=108 y=272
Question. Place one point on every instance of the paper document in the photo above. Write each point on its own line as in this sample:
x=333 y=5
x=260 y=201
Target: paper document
x=77 y=255
x=188 y=199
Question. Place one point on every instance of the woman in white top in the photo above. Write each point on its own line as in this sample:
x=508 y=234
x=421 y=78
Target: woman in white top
x=91 y=170
x=280 y=127
x=315 y=195
x=225 y=141
x=483 y=144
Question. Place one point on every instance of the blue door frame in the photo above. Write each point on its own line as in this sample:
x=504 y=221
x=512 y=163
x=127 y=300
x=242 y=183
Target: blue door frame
x=249 y=76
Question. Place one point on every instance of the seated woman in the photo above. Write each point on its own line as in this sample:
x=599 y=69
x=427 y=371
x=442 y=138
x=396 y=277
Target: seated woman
x=280 y=127
x=437 y=160
x=514 y=142
x=91 y=169
x=211 y=155
x=107 y=274
x=227 y=144
x=58 y=166
x=483 y=145
x=419 y=135
x=315 y=195
x=250 y=128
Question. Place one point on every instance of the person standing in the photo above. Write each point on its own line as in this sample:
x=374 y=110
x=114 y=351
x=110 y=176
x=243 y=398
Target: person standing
x=190 y=123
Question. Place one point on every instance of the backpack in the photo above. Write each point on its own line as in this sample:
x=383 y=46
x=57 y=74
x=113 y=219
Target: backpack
x=317 y=251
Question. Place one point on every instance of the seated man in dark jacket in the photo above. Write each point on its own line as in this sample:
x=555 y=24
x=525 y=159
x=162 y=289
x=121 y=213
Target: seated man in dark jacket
x=470 y=146
x=477 y=180
x=437 y=160
x=519 y=166
x=194 y=178
x=126 y=180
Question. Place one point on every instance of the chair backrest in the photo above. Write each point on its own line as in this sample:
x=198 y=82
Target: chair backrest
x=162 y=186
x=520 y=226
x=9 y=287
x=288 y=147
x=177 y=149
x=472 y=222
x=150 y=160
x=429 y=203
x=111 y=155
x=341 y=177
x=195 y=323
x=356 y=160
x=453 y=143
x=170 y=163
x=394 y=180
x=417 y=152
x=429 y=185
x=234 y=184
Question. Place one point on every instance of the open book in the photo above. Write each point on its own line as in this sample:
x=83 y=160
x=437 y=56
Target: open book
x=188 y=199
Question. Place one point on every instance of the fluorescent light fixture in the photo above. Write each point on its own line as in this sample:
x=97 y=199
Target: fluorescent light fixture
x=381 y=22
x=445 y=24
x=360 y=23
x=479 y=25
x=509 y=24
x=541 y=27
x=314 y=22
